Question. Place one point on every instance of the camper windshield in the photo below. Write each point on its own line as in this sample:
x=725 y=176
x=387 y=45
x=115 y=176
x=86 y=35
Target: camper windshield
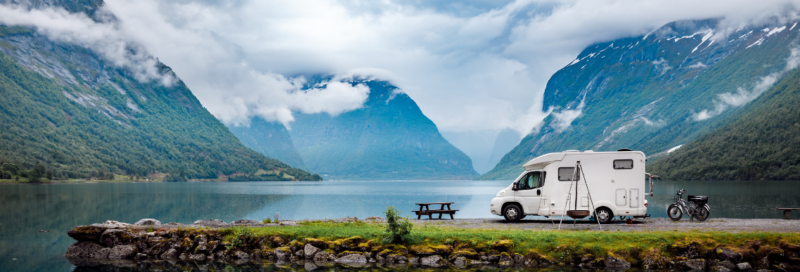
x=530 y=181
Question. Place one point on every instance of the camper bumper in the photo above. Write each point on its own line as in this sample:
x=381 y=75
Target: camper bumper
x=497 y=205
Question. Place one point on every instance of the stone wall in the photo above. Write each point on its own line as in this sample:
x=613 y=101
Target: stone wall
x=202 y=245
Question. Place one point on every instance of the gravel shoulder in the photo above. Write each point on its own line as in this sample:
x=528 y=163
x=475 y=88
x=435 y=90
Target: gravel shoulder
x=641 y=225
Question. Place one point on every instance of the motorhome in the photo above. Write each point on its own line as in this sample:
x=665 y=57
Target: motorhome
x=611 y=184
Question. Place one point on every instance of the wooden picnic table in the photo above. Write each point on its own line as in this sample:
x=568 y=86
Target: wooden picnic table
x=424 y=209
x=787 y=212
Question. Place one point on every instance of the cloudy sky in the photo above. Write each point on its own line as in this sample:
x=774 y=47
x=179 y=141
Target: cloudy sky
x=471 y=65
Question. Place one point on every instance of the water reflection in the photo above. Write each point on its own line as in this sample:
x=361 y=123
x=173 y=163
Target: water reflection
x=27 y=209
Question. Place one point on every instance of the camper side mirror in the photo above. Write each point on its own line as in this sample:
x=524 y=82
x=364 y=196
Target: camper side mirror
x=515 y=187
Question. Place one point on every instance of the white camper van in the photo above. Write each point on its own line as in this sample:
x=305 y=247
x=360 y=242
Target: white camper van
x=615 y=181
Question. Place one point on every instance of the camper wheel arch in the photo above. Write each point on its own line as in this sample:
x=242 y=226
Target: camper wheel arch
x=518 y=216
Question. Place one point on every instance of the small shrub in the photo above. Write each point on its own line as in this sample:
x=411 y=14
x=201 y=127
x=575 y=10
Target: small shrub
x=267 y=221
x=399 y=228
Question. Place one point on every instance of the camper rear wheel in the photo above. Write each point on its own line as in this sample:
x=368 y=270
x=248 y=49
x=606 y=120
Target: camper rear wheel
x=604 y=215
x=512 y=212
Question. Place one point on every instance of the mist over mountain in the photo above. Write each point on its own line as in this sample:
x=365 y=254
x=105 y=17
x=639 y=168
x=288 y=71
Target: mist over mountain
x=387 y=138
x=657 y=91
x=70 y=108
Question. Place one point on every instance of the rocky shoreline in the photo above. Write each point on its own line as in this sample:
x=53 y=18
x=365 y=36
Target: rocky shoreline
x=150 y=245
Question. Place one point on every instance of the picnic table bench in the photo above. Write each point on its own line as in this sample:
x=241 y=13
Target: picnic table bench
x=787 y=212
x=427 y=211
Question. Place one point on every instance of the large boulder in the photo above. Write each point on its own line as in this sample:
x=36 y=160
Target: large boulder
x=148 y=222
x=88 y=250
x=122 y=252
x=433 y=261
x=617 y=263
x=115 y=237
x=87 y=233
x=310 y=251
x=170 y=254
x=691 y=265
x=283 y=254
x=352 y=259
x=728 y=255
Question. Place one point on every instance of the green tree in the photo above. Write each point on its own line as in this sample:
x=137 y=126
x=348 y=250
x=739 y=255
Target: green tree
x=399 y=228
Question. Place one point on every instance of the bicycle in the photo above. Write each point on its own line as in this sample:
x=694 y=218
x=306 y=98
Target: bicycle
x=697 y=208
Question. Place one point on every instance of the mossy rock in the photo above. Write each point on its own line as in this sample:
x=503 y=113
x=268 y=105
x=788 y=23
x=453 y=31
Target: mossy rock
x=316 y=243
x=296 y=245
x=466 y=253
x=768 y=250
x=503 y=245
x=276 y=241
x=86 y=233
x=364 y=247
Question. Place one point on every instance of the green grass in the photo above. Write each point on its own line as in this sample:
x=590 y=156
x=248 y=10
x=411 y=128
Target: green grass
x=556 y=244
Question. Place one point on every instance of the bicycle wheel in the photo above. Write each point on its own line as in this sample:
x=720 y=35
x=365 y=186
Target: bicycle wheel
x=674 y=212
x=701 y=214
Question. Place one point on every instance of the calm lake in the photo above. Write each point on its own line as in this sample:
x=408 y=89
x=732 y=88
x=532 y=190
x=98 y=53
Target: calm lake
x=25 y=210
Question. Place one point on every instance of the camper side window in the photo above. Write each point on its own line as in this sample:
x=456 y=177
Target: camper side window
x=565 y=174
x=623 y=164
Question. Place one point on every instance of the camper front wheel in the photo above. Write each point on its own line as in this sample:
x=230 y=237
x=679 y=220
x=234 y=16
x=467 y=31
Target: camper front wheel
x=512 y=212
x=604 y=215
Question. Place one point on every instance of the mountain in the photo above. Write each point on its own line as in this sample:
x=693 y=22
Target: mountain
x=269 y=138
x=476 y=144
x=762 y=143
x=505 y=141
x=65 y=108
x=658 y=91
x=387 y=138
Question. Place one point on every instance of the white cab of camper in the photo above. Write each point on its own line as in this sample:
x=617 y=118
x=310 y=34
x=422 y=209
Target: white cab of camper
x=615 y=181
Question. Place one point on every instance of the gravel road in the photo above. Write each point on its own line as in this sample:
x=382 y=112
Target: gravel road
x=651 y=224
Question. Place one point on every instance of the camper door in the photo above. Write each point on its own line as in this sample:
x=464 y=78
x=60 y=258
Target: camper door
x=529 y=191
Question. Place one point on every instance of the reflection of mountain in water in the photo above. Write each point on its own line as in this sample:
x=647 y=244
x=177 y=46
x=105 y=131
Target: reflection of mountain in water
x=58 y=208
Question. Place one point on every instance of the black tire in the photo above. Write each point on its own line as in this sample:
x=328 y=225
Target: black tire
x=604 y=215
x=512 y=213
x=702 y=214
x=674 y=212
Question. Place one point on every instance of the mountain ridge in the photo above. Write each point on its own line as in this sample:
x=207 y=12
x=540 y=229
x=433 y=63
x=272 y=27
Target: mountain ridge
x=652 y=92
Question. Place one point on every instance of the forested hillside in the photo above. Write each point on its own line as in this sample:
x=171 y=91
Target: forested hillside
x=64 y=108
x=655 y=92
x=762 y=143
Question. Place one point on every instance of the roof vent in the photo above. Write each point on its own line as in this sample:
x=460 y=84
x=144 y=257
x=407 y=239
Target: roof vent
x=624 y=149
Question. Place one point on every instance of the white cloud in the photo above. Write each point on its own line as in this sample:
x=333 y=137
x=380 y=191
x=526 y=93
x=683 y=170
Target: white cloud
x=59 y=25
x=563 y=119
x=469 y=66
x=742 y=96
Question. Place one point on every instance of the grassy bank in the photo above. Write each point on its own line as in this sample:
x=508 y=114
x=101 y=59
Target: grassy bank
x=559 y=246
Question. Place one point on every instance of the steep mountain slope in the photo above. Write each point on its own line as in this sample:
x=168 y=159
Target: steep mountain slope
x=655 y=92
x=505 y=142
x=762 y=143
x=269 y=138
x=65 y=107
x=388 y=138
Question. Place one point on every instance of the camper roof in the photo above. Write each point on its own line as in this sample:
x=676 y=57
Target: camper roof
x=543 y=160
